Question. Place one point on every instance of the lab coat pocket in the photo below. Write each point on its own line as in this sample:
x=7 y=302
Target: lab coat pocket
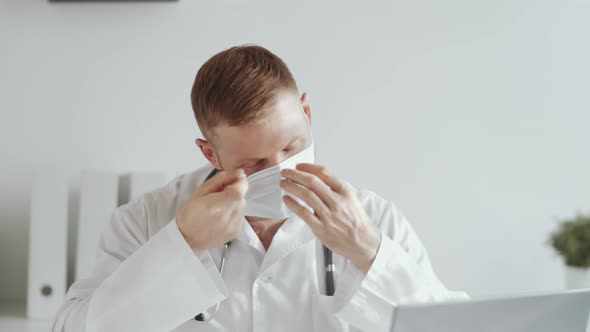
x=323 y=317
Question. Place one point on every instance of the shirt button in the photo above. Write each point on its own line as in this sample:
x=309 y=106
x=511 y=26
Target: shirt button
x=266 y=278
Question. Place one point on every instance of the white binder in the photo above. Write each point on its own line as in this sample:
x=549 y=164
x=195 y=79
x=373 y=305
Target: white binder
x=98 y=200
x=47 y=245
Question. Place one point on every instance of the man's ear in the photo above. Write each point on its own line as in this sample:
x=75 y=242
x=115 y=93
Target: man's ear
x=208 y=152
x=306 y=107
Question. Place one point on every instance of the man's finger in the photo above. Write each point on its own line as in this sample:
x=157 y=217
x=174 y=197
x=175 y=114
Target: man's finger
x=324 y=174
x=238 y=187
x=313 y=183
x=307 y=195
x=220 y=181
x=302 y=212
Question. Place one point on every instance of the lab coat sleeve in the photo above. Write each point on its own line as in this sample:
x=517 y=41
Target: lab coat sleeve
x=141 y=284
x=401 y=273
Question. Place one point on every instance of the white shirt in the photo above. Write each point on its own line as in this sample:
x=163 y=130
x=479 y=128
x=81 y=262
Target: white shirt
x=147 y=277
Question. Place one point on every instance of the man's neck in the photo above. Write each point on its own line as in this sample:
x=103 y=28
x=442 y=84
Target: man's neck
x=265 y=228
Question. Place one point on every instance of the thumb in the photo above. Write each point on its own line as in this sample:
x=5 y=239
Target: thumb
x=239 y=187
x=220 y=181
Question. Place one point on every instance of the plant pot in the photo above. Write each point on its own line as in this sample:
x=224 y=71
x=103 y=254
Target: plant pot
x=577 y=277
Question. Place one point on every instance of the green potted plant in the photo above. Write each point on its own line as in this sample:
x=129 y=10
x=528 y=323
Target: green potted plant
x=572 y=242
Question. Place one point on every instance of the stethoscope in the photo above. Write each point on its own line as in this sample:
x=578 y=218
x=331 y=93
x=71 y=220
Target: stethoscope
x=328 y=265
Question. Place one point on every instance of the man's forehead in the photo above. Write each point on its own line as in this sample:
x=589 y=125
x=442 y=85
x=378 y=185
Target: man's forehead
x=249 y=155
x=259 y=147
x=278 y=125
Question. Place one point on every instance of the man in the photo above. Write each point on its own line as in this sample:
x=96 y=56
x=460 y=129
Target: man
x=159 y=259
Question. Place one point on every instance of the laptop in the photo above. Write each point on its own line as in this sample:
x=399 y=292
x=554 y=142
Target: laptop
x=562 y=311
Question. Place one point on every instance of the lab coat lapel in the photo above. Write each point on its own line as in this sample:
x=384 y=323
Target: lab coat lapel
x=249 y=237
x=293 y=234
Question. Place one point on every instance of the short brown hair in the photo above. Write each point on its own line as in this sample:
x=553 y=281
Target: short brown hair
x=234 y=86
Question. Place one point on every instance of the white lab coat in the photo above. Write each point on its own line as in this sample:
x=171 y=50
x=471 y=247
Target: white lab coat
x=147 y=278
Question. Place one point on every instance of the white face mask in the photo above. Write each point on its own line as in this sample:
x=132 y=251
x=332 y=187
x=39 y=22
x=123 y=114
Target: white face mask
x=264 y=197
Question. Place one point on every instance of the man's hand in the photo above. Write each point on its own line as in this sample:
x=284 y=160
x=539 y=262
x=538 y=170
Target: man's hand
x=339 y=221
x=213 y=215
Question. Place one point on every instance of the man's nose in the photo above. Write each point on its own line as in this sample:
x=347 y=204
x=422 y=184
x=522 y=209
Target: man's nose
x=276 y=159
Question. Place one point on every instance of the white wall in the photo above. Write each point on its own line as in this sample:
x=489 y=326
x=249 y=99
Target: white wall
x=471 y=115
